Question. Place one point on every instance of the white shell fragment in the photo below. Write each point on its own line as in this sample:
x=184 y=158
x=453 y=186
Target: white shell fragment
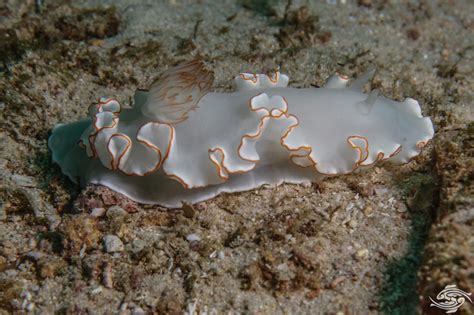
x=181 y=143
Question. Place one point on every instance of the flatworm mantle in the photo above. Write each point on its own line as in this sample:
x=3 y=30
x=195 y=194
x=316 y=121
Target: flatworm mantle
x=182 y=143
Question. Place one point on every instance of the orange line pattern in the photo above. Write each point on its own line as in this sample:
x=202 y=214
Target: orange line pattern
x=115 y=163
x=178 y=92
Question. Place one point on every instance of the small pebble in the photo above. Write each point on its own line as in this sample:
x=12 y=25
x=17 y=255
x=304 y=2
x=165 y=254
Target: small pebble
x=352 y=224
x=35 y=255
x=15 y=304
x=98 y=212
x=283 y=267
x=24 y=181
x=3 y=212
x=368 y=210
x=82 y=252
x=107 y=280
x=337 y=281
x=32 y=243
x=193 y=238
x=137 y=310
x=137 y=246
x=188 y=211
x=380 y=191
x=402 y=208
x=123 y=309
x=413 y=33
x=96 y=290
x=365 y=3
x=26 y=295
x=218 y=254
x=50 y=266
x=116 y=211
x=311 y=295
x=362 y=253
x=112 y=244
x=30 y=307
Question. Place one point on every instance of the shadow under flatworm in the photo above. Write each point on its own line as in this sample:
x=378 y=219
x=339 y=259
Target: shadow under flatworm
x=398 y=294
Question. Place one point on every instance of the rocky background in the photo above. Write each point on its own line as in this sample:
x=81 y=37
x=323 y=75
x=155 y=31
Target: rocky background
x=382 y=241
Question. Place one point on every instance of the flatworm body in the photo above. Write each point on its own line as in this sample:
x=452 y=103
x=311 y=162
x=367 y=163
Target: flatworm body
x=182 y=143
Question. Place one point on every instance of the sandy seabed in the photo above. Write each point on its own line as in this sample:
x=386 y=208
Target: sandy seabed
x=381 y=241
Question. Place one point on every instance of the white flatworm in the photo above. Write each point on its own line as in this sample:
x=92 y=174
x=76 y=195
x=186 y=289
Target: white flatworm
x=182 y=143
